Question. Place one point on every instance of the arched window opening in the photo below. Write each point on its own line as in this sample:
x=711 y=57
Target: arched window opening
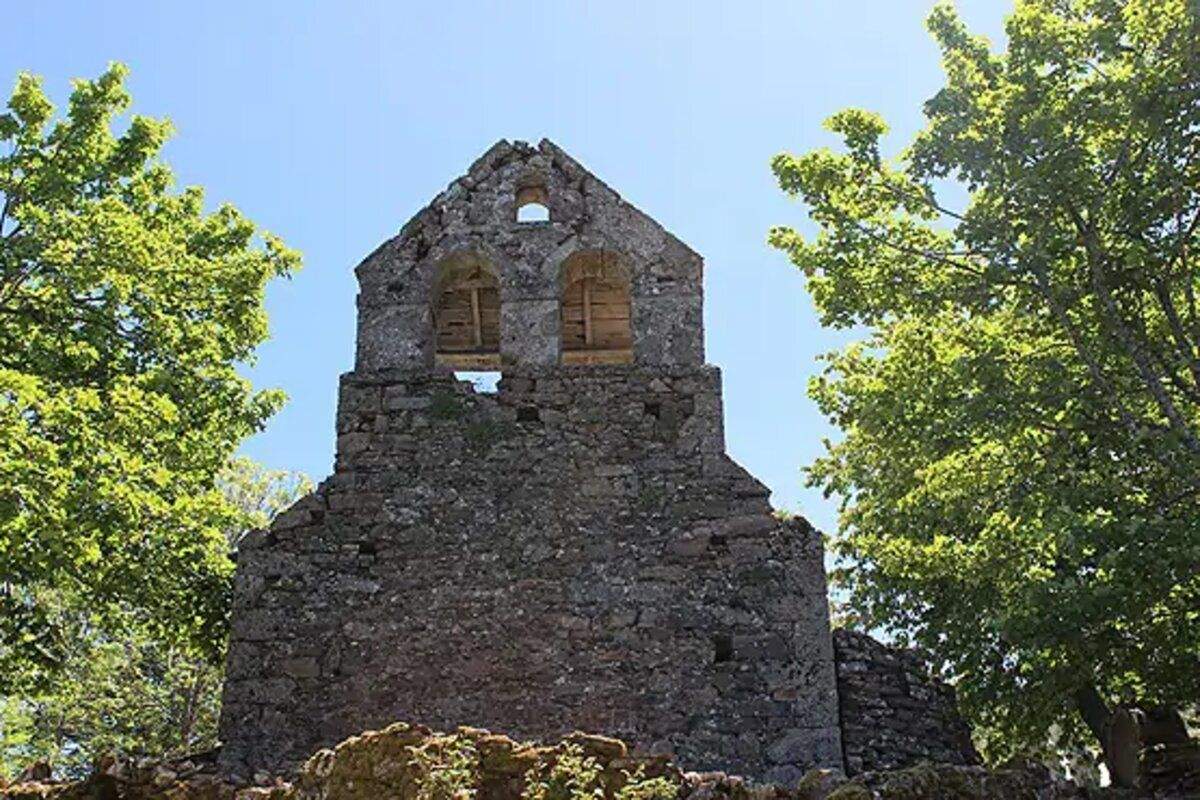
x=596 y=310
x=467 y=314
x=532 y=204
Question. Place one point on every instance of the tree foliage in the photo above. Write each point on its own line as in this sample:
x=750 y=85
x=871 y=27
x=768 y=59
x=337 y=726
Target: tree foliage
x=124 y=691
x=125 y=310
x=1020 y=467
x=258 y=494
x=131 y=694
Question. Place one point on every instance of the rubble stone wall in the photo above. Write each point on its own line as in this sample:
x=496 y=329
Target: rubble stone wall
x=477 y=215
x=894 y=714
x=576 y=551
x=573 y=552
x=407 y=761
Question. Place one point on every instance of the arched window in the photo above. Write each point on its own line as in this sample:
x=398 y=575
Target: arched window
x=531 y=204
x=595 y=310
x=466 y=313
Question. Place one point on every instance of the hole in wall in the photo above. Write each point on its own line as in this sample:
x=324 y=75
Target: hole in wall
x=533 y=212
x=366 y=549
x=722 y=648
x=531 y=204
x=528 y=414
x=482 y=382
x=654 y=409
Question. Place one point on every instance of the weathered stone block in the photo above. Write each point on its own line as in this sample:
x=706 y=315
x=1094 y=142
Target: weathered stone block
x=304 y=667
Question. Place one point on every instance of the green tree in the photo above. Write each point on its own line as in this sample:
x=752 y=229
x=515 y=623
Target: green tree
x=125 y=311
x=1020 y=466
x=258 y=494
x=128 y=692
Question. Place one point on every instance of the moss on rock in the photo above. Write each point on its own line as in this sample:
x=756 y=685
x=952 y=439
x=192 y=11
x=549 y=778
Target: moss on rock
x=412 y=762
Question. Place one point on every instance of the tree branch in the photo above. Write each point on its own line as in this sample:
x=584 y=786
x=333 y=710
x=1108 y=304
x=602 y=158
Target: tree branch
x=1103 y=388
x=1176 y=325
x=1129 y=342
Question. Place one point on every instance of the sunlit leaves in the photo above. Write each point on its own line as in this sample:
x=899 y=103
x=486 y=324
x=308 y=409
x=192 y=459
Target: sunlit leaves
x=126 y=309
x=126 y=688
x=1019 y=462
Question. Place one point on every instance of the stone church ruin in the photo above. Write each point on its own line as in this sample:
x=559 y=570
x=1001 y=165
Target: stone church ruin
x=575 y=551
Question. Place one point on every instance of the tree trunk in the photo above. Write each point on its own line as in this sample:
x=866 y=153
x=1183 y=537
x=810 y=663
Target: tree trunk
x=189 y=715
x=1099 y=719
x=1123 y=733
x=1095 y=712
x=1124 y=751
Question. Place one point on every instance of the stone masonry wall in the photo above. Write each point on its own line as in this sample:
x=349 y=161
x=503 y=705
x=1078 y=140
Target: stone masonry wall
x=476 y=215
x=574 y=552
x=893 y=713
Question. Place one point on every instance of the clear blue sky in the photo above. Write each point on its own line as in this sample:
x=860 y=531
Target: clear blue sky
x=330 y=123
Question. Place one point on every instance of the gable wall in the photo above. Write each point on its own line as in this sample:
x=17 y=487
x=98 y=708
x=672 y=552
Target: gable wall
x=477 y=213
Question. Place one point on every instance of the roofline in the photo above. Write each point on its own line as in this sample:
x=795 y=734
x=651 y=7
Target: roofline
x=504 y=146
